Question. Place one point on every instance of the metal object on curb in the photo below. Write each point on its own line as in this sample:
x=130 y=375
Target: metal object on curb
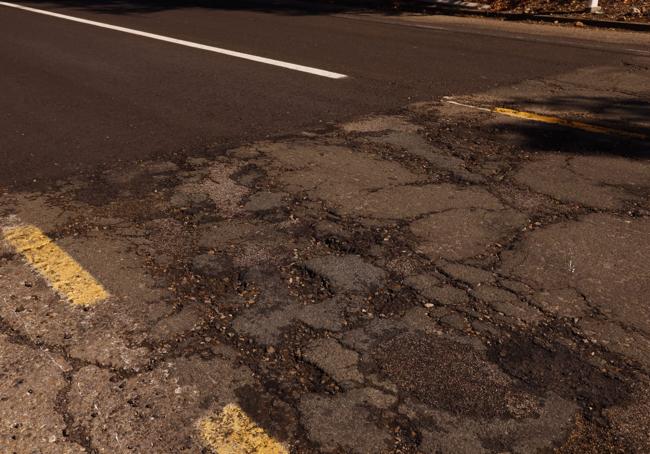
x=593 y=7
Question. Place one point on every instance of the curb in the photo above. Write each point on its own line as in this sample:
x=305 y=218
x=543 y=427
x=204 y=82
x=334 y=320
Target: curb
x=601 y=23
x=465 y=8
x=460 y=4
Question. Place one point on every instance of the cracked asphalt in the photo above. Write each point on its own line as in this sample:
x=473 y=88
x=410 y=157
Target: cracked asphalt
x=432 y=279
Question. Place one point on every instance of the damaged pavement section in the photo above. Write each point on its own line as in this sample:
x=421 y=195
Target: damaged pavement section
x=408 y=283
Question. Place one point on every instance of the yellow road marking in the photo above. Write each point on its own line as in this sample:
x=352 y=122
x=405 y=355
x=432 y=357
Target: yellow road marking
x=233 y=432
x=570 y=123
x=62 y=272
x=531 y=116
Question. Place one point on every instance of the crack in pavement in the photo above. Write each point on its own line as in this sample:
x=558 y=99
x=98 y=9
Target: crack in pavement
x=422 y=281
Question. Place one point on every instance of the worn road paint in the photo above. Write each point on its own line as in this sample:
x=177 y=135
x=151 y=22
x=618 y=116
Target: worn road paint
x=182 y=42
x=570 y=123
x=233 y=432
x=470 y=106
x=646 y=52
x=552 y=120
x=62 y=272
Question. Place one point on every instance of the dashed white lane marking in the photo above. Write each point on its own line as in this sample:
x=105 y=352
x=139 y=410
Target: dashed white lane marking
x=182 y=42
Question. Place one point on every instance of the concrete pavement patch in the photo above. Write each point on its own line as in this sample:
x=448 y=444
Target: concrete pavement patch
x=349 y=290
x=343 y=422
x=464 y=233
x=266 y=325
x=598 y=182
x=470 y=274
x=432 y=288
x=379 y=124
x=336 y=361
x=31 y=382
x=348 y=273
x=565 y=302
x=157 y=410
x=602 y=256
x=263 y=201
x=405 y=202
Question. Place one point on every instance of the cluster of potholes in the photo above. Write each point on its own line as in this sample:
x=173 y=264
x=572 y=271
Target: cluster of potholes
x=387 y=286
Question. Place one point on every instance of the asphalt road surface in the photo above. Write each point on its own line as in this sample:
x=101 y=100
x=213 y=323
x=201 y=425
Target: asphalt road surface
x=75 y=94
x=264 y=229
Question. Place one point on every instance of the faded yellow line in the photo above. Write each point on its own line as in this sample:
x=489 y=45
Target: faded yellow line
x=569 y=123
x=62 y=272
x=233 y=432
x=531 y=116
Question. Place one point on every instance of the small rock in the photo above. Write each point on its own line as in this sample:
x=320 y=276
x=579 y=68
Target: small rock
x=579 y=24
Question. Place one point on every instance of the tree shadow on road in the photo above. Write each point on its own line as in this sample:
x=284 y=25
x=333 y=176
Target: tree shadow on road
x=287 y=7
x=627 y=119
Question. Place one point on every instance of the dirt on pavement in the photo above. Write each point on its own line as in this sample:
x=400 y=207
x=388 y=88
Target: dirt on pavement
x=620 y=10
x=439 y=279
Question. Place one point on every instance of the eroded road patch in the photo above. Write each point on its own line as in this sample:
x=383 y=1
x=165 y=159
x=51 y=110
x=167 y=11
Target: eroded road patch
x=422 y=282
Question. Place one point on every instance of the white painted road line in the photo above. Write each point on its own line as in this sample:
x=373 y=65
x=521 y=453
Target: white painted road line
x=182 y=42
x=646 y=52
x=448 y=100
